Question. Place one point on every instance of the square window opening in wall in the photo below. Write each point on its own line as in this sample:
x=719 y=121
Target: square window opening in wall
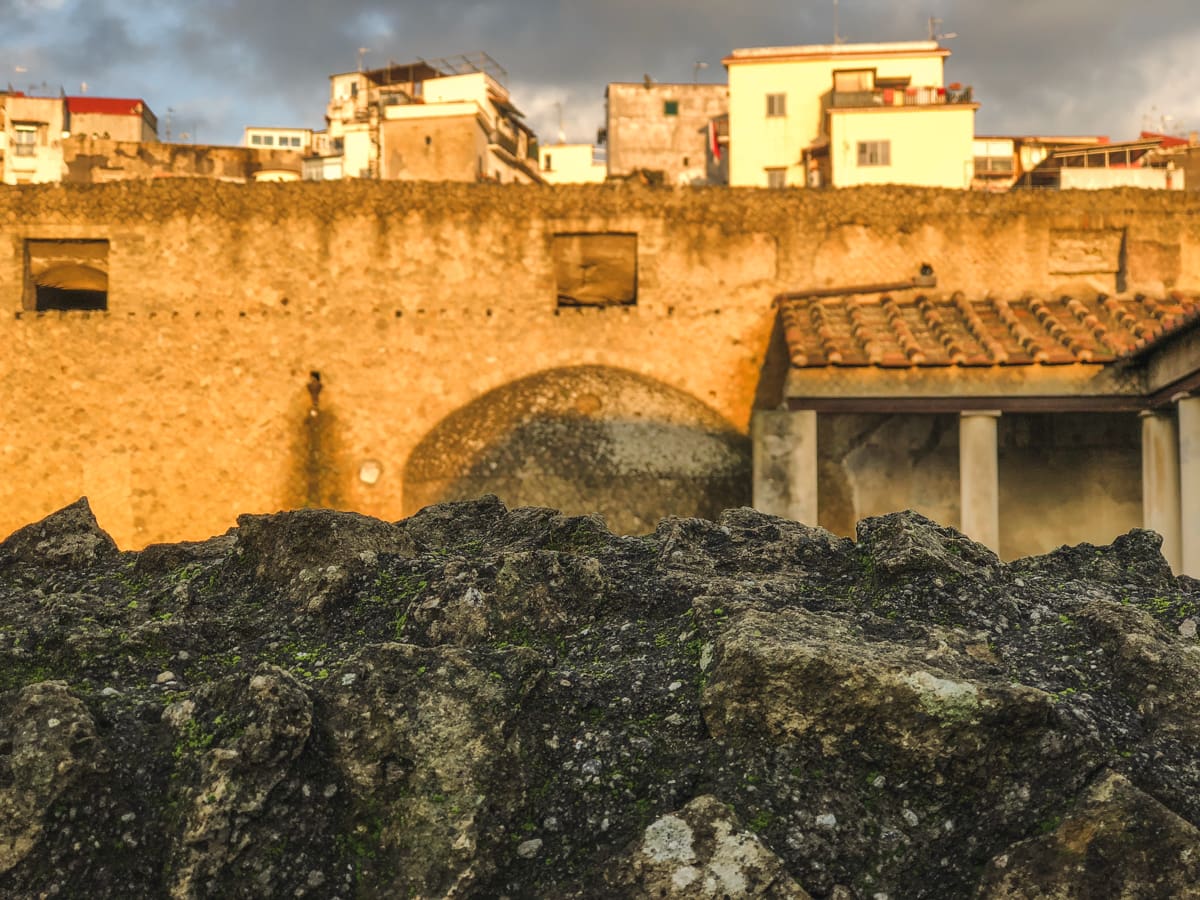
x=670 y=107
x=595 y=269
x=874 y=153
x=66 y=275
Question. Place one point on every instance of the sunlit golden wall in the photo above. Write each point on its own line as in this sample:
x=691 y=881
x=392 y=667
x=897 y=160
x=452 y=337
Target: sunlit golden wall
x=186 y=403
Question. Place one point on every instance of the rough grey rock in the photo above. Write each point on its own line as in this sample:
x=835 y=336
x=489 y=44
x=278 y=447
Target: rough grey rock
x=46 y=744
x=69 y=538
x=702 y=852
x=1118 y=843
x=482 y=702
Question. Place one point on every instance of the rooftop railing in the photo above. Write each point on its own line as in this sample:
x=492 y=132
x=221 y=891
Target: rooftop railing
x=909 y=96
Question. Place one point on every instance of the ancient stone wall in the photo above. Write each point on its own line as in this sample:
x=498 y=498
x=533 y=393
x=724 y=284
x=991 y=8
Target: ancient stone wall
x=185 y=402
x=98 y=160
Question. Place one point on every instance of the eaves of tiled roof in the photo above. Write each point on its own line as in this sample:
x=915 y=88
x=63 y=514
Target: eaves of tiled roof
x=910 y=329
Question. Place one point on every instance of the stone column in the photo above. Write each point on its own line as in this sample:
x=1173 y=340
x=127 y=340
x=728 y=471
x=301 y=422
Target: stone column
x=1160 y=482
x=979 y=477
x=1189 y=485
x=785 y=463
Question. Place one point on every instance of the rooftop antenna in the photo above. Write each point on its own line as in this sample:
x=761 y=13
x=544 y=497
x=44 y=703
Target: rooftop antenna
x=562 y=135
x=362 y=51
x=935 y=34
x=837 y=37
x=696 y=67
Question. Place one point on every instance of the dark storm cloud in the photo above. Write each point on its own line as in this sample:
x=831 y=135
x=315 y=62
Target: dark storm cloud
x=1037 y=65
x=91 y=42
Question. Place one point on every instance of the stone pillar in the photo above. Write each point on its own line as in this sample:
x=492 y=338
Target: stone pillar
x=1189 y=485
x=785 y=463
x=1160 y=482
x=979 y=477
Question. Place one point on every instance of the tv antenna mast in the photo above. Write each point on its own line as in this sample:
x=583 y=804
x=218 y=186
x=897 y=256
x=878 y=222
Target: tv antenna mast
x=837 y=37
x=935 y=32
x=362 y=51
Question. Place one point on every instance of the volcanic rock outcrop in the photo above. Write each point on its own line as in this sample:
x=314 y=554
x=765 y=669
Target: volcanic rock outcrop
x=483 y=702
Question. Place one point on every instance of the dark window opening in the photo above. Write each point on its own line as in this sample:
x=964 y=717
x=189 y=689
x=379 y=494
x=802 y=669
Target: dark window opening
x=874 y=153
x=66 y=275
x=49 y=298
x=670 y=107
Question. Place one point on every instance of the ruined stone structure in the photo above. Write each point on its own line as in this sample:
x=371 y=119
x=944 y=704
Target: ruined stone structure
x=89 y=160
x=588 y=348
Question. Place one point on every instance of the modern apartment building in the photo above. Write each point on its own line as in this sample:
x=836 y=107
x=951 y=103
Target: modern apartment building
x=35 y=128
x=848 y=114
x=570 y=164
x=668 y=129
x=429 y=120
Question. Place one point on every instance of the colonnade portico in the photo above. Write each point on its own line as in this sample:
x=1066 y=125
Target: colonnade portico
x=1073 y=372
x=786 y=481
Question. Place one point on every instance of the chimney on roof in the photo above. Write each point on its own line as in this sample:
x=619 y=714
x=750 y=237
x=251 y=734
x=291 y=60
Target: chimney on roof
x=1194 y=138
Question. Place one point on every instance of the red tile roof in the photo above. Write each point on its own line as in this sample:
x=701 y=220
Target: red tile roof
x=112 y=106
x=916 y=329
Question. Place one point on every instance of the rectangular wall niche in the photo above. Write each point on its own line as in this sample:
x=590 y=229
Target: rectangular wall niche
x=595 y=269
x=66 y=275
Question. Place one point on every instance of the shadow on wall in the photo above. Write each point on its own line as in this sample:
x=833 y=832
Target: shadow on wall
x=586 y=439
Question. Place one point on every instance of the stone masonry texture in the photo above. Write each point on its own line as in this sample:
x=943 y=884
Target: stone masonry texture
x=185 y=403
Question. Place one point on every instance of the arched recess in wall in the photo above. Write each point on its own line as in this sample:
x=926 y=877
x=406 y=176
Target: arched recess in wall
x=71 y=287
x=585 y=439
x=66 y=275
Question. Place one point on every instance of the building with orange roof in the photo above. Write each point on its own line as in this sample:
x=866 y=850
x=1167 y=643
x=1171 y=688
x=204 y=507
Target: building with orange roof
x=1083 y=360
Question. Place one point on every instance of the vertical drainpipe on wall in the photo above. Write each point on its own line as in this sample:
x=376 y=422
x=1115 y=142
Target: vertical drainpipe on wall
x=312 y=463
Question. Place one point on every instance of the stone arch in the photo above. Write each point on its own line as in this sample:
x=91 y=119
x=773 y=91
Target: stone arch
x=585 y=439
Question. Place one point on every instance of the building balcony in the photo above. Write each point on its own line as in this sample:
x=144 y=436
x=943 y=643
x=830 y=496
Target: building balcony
x=502 y=140
x=892 y=97
x=994 y=166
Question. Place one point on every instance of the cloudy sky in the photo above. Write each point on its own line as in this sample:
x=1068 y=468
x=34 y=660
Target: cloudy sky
x=1038 y=66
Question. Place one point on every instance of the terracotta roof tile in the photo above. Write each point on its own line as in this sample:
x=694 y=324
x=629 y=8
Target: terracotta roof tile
x=918 y=329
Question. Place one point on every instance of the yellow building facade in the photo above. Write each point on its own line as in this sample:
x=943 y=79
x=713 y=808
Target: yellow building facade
x=571 y=164
x=848 y=114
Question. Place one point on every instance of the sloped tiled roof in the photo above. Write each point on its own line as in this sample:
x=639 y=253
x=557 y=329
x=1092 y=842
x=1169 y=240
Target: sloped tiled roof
x=915 y=329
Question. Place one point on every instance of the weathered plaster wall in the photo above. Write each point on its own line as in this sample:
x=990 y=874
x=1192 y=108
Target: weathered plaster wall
x=185 y=403
x=437 y=148
x=642 y=136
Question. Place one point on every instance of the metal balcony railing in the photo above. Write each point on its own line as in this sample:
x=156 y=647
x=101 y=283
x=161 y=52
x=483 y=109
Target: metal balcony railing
x=993 y=165
x=501 y=139
x=912 y=96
